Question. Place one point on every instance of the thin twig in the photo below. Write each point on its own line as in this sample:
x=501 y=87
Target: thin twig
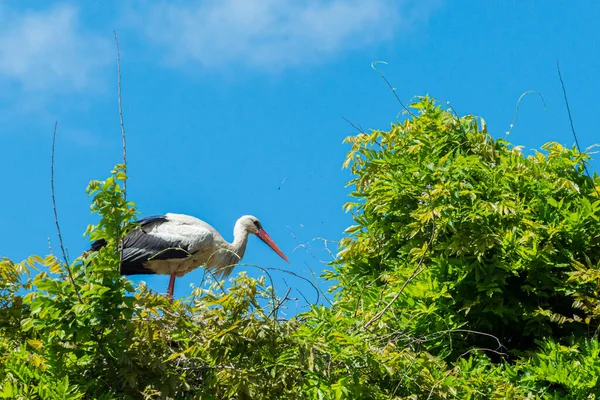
x=435 y=335
x=482 y=349
x=568 y=108
x=517 y=108
x=326 y=247
x=315 y=287
x=303 y=297
x=358 y=128
x=215 y=279
x=120 y=237
x=360 y=295
x=121 y=114
x=301 y=294
x=412 y=276
x=279 y=303
x=390 y=85
x=438 y=382
x=413 y=361
x=562 y=83
x=62 y=247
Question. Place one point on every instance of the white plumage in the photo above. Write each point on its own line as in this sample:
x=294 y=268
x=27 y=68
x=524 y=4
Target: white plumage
x=174 y=244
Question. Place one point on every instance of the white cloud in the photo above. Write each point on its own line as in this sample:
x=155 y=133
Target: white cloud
x=272 y=34
x=47 y=50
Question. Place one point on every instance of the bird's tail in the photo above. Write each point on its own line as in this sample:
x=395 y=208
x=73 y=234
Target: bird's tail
x=128 y=268
x=97 y=245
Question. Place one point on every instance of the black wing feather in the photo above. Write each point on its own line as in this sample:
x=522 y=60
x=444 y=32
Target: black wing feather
x=141 y=247
x=98 y=244
x=144 y=223
x=154 y=219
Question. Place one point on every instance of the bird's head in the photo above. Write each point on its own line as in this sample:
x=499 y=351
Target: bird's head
x=252 y=225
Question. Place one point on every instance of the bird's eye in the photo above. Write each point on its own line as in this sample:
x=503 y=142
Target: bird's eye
x=257 y=224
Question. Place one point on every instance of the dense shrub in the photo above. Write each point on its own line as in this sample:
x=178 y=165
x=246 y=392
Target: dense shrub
x=495 y=242
x=472 y=273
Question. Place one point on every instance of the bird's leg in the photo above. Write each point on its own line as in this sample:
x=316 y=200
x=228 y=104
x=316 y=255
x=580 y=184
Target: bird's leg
x=171 y=287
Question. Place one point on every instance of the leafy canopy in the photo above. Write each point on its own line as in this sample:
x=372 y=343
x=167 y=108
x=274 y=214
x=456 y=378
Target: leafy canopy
x=494 y=242
x=472 y=273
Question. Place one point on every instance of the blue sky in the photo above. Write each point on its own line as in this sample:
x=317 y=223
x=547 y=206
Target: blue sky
x=223 y=101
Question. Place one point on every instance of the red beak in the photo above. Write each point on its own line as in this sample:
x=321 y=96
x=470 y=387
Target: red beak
x=267 y=239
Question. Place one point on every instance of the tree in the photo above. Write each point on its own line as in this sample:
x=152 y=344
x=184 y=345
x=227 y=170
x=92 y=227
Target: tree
x=491 y=241
x=472 y=272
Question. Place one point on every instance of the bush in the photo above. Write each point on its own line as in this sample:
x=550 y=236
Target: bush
x=494 y=242
x=464 y=252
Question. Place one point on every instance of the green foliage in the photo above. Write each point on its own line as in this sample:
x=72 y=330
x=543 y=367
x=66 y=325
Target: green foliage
x=561 y=372
x=464 y=252
x=495 y=242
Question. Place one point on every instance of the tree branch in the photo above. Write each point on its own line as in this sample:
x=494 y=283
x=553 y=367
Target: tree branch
x=571 y=122
x=517 y=108
x=568 y=108
x=62 y=247
x=412 y=276
x=121 y=113
x=124 y=139
x=393 y=89
x=279 y=303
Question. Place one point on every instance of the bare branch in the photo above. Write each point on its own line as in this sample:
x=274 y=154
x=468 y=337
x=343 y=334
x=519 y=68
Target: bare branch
x=297 y=299
x=434 y=335
x=121 y=113
x=438 y=382
x=304 y=298
x=571 y=122
x=62 y=247
x=308 y=247
x=316 y=286
x=482 y=349
x=414 y=274
x=279 y=303
x=568 y=108
x=517 y=108
x=358 y=128
x=390 y=85
x=418 y=269
x=265 y=269
x=124 y=139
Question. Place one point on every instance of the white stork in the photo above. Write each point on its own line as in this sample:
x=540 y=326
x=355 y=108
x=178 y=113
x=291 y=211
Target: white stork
x=174 y=244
